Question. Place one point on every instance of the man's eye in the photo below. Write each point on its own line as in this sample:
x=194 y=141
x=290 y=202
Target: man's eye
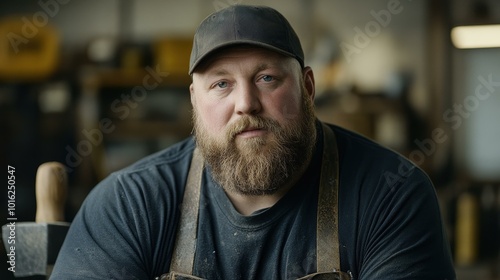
x=222 y=84
x=267 y=78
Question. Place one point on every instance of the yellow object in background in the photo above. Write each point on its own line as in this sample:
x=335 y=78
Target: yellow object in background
x=467 y=229
x=172 y=55
x=29 y=48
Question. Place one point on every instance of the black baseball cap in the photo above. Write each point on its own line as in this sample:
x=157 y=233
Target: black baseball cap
x=241 y=24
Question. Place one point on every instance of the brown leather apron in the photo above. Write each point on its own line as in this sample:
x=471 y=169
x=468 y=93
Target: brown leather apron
x=327 y=240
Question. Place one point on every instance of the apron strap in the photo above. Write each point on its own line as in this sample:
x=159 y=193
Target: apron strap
x=185 y=242
x=327 y=232
x=327 y=240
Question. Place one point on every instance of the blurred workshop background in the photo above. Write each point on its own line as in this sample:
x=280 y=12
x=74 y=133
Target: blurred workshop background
x=97 y=85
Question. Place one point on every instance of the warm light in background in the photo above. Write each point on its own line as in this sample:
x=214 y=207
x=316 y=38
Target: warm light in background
x=476 y=36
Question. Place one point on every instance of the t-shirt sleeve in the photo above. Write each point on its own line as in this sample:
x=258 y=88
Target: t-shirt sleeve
x=115 y=234
x=403 y=236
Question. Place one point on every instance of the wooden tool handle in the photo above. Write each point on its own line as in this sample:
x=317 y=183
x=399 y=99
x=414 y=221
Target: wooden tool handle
x=51 y=191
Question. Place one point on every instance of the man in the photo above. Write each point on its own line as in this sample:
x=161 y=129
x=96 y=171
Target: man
x=263 y=190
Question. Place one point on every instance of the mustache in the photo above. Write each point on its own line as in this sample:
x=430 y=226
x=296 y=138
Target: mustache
x=255 y=122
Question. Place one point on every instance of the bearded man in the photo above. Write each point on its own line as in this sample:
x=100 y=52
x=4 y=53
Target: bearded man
x=263 y=190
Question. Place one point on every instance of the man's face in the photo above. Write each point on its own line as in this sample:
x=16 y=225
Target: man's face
x=253 y=118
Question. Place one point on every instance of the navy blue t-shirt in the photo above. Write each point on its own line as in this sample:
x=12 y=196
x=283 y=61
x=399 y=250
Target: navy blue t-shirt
x=389 y=222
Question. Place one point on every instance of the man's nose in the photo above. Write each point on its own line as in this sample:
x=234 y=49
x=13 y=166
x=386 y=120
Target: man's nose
x=247 y=100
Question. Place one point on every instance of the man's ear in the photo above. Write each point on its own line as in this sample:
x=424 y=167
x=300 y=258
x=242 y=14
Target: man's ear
x=191 y=93
x=308 y=76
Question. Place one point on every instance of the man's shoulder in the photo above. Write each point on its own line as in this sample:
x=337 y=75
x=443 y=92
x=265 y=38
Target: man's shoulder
x=353 y=142
x=177 y=154
x=360 y=153
x=166 y=170
x=156 y=177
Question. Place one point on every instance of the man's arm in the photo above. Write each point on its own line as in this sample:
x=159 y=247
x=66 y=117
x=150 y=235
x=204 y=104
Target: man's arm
x=113 y=236
x=403 y=236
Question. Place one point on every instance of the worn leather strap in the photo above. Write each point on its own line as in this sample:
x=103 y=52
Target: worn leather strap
x=185 y=242
x=327 y=232
x=339 y=275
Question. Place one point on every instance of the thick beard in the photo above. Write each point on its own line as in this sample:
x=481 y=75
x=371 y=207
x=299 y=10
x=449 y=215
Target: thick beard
x=259 y=166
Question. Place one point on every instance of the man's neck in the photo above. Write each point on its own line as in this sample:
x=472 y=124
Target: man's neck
x=249 y=204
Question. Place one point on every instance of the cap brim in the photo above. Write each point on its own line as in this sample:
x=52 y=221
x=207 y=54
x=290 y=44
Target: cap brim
x=234 y=43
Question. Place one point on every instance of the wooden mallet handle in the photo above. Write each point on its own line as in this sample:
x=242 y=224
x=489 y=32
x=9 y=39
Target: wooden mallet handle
x=51 y=191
